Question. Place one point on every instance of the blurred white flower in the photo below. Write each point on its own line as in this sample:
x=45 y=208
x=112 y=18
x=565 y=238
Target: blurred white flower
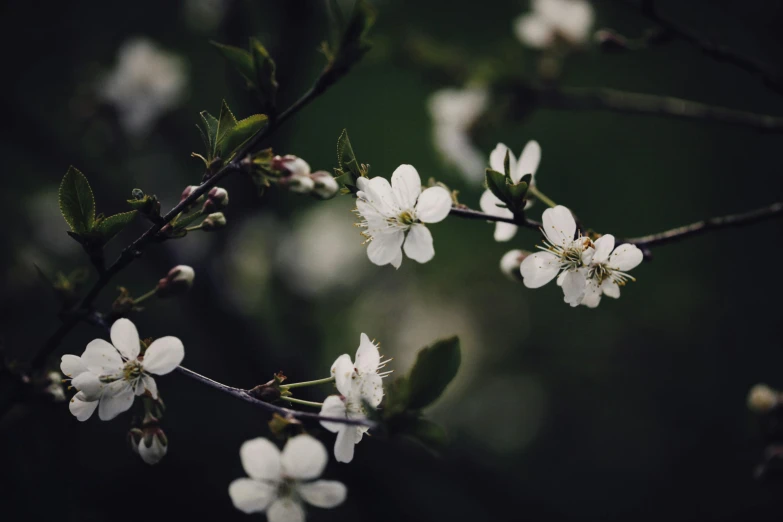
x=204 y=15
x=454 y=111
x=389 y=211
x=607 y=273
x=146 y=82
x=109 y=376
x=357 y=382
x=562 y=254
x=527 y=164
x=510 y=263
x=317 y=256
x=550 y=20
x=280 y=483
x=55 y=388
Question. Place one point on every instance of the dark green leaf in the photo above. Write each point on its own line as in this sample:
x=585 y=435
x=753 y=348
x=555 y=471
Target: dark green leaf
x=507 y=164
x=109 y=227
x=265 y=80
x=239 y=58
x=346 y=159
x=226 y=124
x=242 y=131
x=351 y=44
x=428 y=433
x=77 y=203
x=435 y=367
x=210 y=129
x=496 y=183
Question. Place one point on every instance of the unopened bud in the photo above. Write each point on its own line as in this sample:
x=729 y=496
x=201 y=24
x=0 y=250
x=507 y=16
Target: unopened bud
x=177 y=281
x=217 y=198
x=326 y=187
x=609 y=40
x=213 y=222
x=290 y=165
x=150 y=442
x=509 y=263
x=54 y=386
x=300 y=184
x=762 y=398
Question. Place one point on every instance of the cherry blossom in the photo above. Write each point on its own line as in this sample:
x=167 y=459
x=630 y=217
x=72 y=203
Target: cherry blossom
x=608 y=268
x=552 y=20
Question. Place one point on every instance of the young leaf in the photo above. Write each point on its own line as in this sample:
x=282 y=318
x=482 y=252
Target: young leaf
x=239 y=58
x=77 y=203
x=351 y=45
x=242 y=131
x=496 y=183
x=109 y=227
x=265 y=80
x=226 y=124
x=435 y=367
x=210 y=129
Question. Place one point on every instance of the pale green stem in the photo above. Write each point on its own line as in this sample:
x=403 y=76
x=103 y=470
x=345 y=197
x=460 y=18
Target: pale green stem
x=537 y=193
x=303 y=403
x=306 y=383
x=195 y=227
x=146 y=296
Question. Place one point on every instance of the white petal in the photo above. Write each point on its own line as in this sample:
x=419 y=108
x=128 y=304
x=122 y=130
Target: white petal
x=397 y=261
x=163 y=355
x=125 y=338
x=117 y=398
x=333 y=406
x=344 y=445
x=406 y=184
x=559 y=225
x=538 y=269
x=504 y=231
x=574 y=287
x=380 y=194
x=626 y=257
x=102 y=358
x=88 y=384
x=489 y=205
x=81 y=408
x=371 y=389
x=72 y=365
x=561 y=278
x=497 y=158
x=534 y=31
x=323 y=493
x=251 y=496
x=433 y=205
x=592 y=296
x=260 y=459
x=367 y=355
x=148 y=384
x=385 y=247
x=418 y=244
x=610 y=288
x=303 y=458
x=154 y=453
x=603 y=247
x=285 y=510
x=528 y=161
x=342 y=370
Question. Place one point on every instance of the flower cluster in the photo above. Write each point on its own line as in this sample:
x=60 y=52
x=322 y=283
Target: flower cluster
x=585 y=269
x=298 y=177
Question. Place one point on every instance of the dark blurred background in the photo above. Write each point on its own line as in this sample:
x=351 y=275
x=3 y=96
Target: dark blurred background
x=633 y=411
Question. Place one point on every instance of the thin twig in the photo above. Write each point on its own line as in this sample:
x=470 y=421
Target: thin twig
x=468 y=213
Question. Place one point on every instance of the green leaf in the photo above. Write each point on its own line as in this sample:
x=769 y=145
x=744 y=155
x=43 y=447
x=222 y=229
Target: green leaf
x=351 y=45
x=77 y=203
x=496 y=183
x=211 y=125
x=435 y=367
x=109 y=227
x=265 y=80
x=226 y=124
x=239 y=58
x=242 y=131
x=346 y=158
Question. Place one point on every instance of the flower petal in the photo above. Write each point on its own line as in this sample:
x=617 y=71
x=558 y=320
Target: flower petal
x=504 y=231
x=148 y=384
x=285 y=510
x=626 y=257
x=397 y=261
x=592 y=296
x=385 y=247
x=406 y=184
x=117 y=398
x=163 y=355
x=125 y=338
x=323 y=493
x=371 y=389
x=489 y=205
x=418 y=244
x=251 y=496
x=260 y=459
x=434 y=205
x=610 y=288
x=559 y=225
x=528 y=161
x=333 y=406
x=534 y=31
x=89 y=385
x=497 y=158
x=342 y=370
x=367 y=356
x=574 y=287
x=538 y=269
x=344 y=444
x=81 y=408
x=379 y=193
x=72 y=365
x=303 y=458
x=102 y=358
x=603 y=247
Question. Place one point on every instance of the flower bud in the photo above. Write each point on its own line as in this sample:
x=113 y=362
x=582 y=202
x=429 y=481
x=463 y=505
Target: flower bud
x=509 y=263
x=762 y=399
x=217 y=198
x=213 y=222
x=54 y=388
x=290 y=165
x=150 y=442
x=300 y=184
x=188 y=191
x=326 y=187
x=177 y=281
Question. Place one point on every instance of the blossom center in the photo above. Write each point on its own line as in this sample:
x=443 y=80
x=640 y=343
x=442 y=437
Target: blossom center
x=406 y=218
x=570 y=255
x=132 y=370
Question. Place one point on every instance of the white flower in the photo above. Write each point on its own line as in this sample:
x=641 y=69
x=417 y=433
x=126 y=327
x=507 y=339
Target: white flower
x=510 y=263
x=152 y=443
x=607 y=273
x=561 y=252
x=280 y=483
x=326 y=187
x=389 y=211
x=55 y=388
x=109 y=376
x=527 y=164
x=454 y=111
x=146 y=82
x=569 y=20
x=357 y=382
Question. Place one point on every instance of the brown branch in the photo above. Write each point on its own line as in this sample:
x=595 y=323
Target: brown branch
x=468 y=213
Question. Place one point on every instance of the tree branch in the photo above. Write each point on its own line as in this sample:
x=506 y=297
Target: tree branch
x=468 y=213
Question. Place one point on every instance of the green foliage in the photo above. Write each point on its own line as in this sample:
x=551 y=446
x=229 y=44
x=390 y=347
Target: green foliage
x=513 y=195
x=348 y=168
x=109 y=227
x=349 y=41
x=257 y=68
x=224 y=136
x=77 y=202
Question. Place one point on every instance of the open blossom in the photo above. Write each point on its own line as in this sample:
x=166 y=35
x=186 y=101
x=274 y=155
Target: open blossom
x=562 y=254
x=391 y=211
x=567 y=20
x=358 y=382
x=606 y=272
x=527 y=164
x=280 y=482
x=109 y=376
x=454 y=111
